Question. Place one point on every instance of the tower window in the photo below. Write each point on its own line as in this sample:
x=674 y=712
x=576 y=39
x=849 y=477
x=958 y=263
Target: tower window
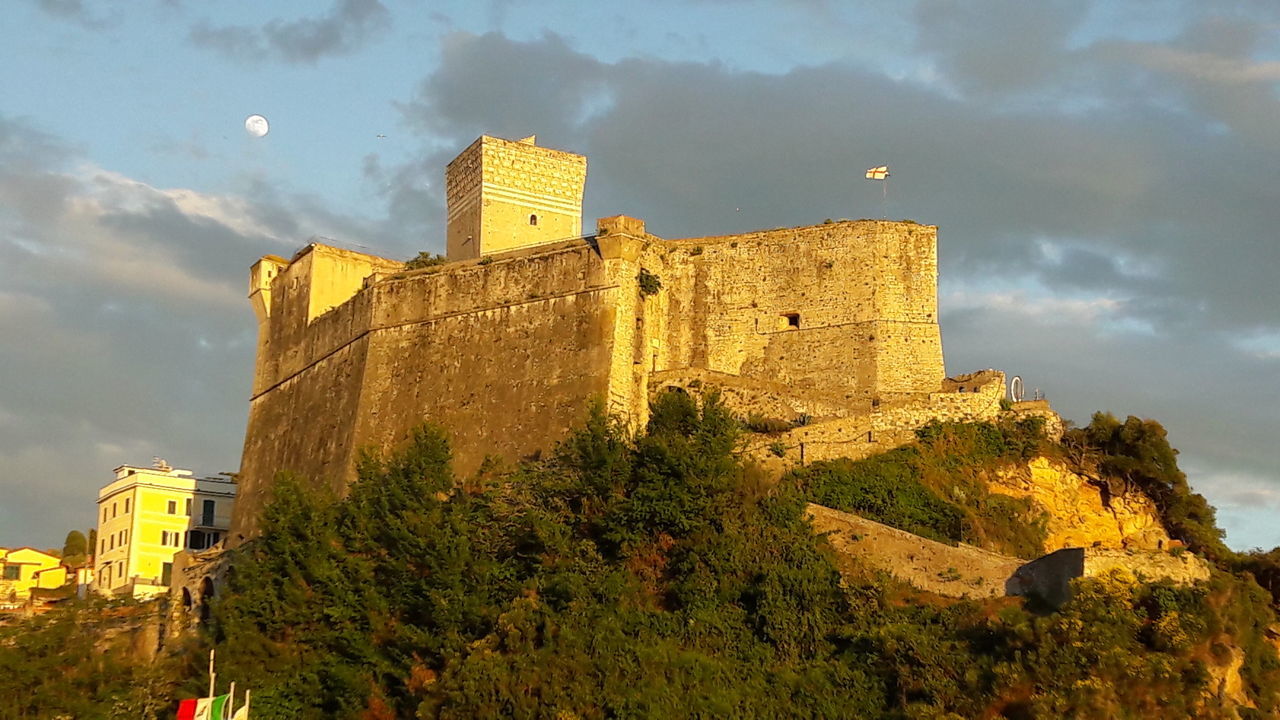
x=793 y=319
x=533 y=219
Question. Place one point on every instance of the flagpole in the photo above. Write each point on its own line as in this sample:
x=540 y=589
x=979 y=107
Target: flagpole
x=231 y=703
x=212 y=675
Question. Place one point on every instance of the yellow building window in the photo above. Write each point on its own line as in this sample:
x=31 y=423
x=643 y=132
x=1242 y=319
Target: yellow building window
x=12 y=572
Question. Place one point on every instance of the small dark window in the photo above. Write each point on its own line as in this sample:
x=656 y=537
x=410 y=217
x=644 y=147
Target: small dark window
x=12 y=572
x=793 y=319
x=188 y=506
x=207 y=512
x=126 y=506
x=166 y=573
x=173 y=507
x=533 y=219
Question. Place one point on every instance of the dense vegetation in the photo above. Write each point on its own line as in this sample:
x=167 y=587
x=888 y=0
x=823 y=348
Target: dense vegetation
x=663 y=577
x=657 y=576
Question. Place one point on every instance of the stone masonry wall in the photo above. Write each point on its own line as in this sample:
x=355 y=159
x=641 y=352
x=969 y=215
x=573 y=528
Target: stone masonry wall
x=846 y=308
x=495 y=186
x=506 y=355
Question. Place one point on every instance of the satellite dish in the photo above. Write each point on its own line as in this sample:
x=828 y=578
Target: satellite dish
x=1015 y=388
x=256 y=125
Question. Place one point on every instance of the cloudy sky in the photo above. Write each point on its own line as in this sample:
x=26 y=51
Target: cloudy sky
x=1104 y=176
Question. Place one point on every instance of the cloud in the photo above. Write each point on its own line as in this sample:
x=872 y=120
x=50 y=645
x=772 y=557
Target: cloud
x=997 y=46
x=1207 y=66
x=74 y=11
x=347 y=27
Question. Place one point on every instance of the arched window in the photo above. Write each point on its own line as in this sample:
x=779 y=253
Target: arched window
x=533 y=219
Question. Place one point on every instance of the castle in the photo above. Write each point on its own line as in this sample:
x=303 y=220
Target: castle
x=830 y=330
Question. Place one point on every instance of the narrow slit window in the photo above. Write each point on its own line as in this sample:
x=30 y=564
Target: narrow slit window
x=533 y=219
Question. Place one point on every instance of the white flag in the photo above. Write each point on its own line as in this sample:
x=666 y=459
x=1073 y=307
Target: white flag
x=878 y=173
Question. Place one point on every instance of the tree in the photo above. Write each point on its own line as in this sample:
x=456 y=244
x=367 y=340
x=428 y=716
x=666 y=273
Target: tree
x=75 y=548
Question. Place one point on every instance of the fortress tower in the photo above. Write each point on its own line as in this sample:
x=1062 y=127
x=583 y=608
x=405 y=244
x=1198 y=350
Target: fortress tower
x=504 y=195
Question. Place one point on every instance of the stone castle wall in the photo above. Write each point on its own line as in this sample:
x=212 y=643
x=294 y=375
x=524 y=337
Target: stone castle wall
x=507 y=352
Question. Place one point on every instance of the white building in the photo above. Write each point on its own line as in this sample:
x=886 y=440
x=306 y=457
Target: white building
x=146 y=515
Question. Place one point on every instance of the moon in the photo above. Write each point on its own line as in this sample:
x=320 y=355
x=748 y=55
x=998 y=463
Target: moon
x=256 y=125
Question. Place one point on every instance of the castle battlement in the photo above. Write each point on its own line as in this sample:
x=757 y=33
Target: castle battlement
x=507 y=347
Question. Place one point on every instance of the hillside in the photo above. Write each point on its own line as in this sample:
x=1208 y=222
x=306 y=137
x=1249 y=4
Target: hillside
x=664 y=576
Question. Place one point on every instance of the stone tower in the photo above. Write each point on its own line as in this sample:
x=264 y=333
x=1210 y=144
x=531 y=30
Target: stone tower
x=504 y=195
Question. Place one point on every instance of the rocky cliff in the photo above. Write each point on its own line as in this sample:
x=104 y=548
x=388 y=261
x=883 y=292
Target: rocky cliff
x=1082 y=510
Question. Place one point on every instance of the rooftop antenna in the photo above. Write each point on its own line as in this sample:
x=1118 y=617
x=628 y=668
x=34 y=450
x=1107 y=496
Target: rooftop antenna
x=881 y=175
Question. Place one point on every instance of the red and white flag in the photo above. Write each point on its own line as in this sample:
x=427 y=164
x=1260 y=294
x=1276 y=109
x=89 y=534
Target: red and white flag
x=878 y=173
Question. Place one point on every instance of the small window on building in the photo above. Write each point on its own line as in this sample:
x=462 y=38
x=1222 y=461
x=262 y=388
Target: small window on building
x=173 y=507
x=793 y=319
x=124 y=537
x=113 y=543
x=113 y=509
x=533 y=219
x=102 y=546
x=207 y=512
x=126 y=506
x=166 y=573
x=12 y=572
x=188 y=506
x=104 y=512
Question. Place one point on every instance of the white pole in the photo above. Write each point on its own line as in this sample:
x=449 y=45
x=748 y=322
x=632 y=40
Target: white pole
x=246 y=704
x=231 y=702
x=212 y=674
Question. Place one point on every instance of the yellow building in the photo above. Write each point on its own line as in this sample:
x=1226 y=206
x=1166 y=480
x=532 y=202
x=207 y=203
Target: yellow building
x=146 y=515
x=23 y=569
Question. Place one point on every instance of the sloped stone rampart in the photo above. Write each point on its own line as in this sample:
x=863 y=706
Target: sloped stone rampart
x=953 y=571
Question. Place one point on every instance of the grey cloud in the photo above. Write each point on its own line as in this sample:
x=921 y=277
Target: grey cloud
x=997 y=46
x=348 y=26
x=74 y=11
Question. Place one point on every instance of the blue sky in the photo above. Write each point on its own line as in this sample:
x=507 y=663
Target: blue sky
x=1103 y=176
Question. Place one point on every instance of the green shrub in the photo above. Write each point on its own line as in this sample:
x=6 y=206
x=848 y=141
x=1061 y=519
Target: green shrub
x=425 y=259
x=886 y=489
x=766 y=425
x=649 y=283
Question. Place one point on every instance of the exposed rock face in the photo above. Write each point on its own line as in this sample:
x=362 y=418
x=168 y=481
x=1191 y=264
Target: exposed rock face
x=1225 y=681
x=1082 y=512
